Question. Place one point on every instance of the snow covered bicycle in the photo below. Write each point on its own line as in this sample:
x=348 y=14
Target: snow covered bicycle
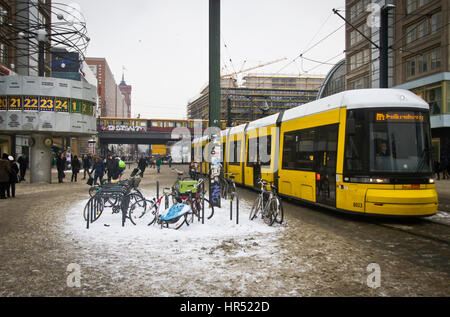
x=267 y=204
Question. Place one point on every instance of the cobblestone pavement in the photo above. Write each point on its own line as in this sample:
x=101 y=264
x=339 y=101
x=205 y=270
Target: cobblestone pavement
x=315 y=253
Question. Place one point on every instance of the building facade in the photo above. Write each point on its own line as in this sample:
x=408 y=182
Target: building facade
x=111 y=101
x=419 y=60
x=259 y=96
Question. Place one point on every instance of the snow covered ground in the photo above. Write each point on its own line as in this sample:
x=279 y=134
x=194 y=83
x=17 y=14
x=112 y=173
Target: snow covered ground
x=156 y=257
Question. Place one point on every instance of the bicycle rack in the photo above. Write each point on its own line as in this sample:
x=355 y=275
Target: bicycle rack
x=234 y=198
x=96 y=203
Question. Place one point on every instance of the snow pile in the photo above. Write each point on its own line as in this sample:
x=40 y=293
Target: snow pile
x=109 y=226
x=146 y=260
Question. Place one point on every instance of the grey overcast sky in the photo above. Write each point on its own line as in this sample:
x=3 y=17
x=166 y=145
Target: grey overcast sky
x=163 y=44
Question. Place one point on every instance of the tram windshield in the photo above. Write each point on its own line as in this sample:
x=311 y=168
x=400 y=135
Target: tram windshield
x=388 y=142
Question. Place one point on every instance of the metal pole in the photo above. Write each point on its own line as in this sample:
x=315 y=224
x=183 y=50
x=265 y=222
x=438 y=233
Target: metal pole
x=214 y=93
x=384 y=82
x=231 y=209
x=41 y=59
x=157 y=190
x=237 y=208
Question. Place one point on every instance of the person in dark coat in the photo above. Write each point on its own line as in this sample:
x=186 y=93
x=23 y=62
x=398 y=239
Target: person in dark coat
x=86 y=164
x=23 y=162
x=444 y=165
x=112 y=167
x=437 y=168
x=75 y=168
x=5 y=171
x=142 y=164
x=99 y=169
x=61 y=166
x=13 y=177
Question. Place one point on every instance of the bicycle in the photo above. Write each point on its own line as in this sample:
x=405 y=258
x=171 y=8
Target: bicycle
x=182 y=185
x=194 y=199
x=267 y=204
x=146 y=210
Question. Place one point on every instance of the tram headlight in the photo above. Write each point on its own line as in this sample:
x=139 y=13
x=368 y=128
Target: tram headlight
x=431 y=180
x=379 y=180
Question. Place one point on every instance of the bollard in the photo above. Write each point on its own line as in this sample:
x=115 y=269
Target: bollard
x=157 y=190
x=237 y=208
x=203 y=203
x=231 y=209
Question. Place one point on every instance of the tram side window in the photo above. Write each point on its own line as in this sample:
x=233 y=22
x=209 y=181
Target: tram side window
x=259 y=150
x=265 y=150
x=289 y=150
x=305 y=150
x=235 y=153
x=298 y=150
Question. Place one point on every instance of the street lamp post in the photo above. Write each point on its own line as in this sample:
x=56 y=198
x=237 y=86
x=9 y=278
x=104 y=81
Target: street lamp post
x=41 y=36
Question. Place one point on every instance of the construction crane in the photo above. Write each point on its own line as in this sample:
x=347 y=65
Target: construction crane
x=232 y=75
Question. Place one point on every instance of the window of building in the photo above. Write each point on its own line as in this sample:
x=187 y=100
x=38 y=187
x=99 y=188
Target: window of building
x=356 y=37
x=434 y=98
x=3 y=14
x=411 y=67
x=436 y=22
x=358 y=9
x=423 y=63
x=412 y=5
x=2 y=53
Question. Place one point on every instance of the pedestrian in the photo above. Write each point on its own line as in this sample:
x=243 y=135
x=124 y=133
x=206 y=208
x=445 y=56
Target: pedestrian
x=448 y=167
x=158 y=164
x=86 y=165
x=112 y=168
x=5 y=171
x=13 y=177
x=444 y=167
x=75 y=168
x=437 y=168
x=122 y=167
x=23 y=162
x=170 y=161
x=142 y=165
x=61 y=166
x=99 y=168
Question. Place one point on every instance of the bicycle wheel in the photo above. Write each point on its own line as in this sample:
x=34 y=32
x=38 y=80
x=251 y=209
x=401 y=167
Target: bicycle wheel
x=269 y=213
x=256 y=208
x=93 y=190
x=232 y=190
x=224 y=189
x=140 y=212
x=279 y=214
x=97 y=204
x=209 y=209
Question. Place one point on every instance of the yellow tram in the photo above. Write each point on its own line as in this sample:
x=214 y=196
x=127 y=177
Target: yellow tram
x=363 y=151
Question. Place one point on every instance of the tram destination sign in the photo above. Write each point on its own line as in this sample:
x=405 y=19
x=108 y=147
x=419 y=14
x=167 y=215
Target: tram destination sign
x=399 y=117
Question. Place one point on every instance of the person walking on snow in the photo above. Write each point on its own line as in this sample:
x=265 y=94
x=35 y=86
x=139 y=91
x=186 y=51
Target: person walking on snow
x=75 y=168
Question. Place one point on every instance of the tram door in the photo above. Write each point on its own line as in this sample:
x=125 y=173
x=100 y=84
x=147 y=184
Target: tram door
x=325 y=160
